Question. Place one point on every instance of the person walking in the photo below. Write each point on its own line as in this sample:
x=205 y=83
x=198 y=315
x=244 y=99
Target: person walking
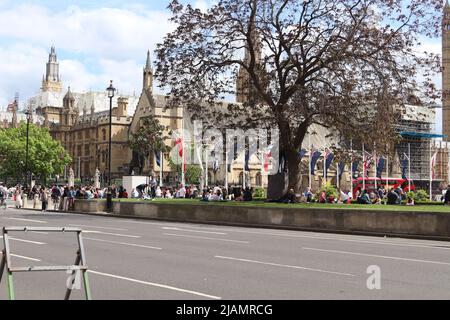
x=44 y=199
x=18 y=195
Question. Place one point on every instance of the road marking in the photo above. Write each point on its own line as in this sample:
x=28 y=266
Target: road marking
x=27 y=241
x=26 y=258
x=28 y=220
x=111 y=234
x=122 y=243
x=286 y=266
x=377 y=256
x=400 y=243
x=156 y=285
x=95 y=227
x=188 y=230
x=39 y=232
x=198 y=237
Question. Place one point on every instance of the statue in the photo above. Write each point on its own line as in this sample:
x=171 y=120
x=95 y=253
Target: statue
x=97 y=179
x=137 y=162
x=71 y=178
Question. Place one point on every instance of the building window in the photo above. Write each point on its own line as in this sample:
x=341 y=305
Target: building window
x=86 y=150
x=104 y=134
x=79 y=151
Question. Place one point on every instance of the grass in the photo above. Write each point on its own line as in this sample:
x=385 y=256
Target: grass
x=262 y=204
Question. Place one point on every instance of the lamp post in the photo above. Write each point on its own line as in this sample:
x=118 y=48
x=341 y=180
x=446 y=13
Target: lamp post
x=28 y=114
x=110 y=91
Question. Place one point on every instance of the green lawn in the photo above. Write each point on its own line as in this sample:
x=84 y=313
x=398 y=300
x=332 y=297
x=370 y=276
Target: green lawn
x=417 y=208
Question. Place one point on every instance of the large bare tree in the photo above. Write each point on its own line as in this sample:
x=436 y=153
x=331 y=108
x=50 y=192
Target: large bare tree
x=347 y=65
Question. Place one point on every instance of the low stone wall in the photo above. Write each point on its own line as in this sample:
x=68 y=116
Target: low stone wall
x=340 y=220
x=89 y=206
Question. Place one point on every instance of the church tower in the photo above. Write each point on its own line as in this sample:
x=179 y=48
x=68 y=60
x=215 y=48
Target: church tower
x=52 y=80
x=446 y=71
x=148 y=74
x=245 y=91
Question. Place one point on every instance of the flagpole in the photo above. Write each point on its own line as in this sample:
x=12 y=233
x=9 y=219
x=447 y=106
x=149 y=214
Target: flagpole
x=409 y=167
x=337 y=175
x=387 y=171
x=431 y=175
x=243 y=175
x=206 y=160
x=226 y=171
x=161 y=160
x=364 y=168
x=376 y=165
x=183 y=181
x=310 y=155
x=351 y=167
x=324 y=166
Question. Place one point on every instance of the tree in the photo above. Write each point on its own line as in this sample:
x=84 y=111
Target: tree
x=346 y=65
x=149 y=139
x=192 y=175
x=46 y=157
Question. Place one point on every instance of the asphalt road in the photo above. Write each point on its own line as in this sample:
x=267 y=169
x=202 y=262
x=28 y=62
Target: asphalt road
x=152 y=260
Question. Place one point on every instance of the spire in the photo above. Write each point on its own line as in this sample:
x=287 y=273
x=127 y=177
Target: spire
x=148 y=74
x=52 y=79
x=148 y=65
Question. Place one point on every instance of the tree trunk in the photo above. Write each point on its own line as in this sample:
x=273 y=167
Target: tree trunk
x=295 y=181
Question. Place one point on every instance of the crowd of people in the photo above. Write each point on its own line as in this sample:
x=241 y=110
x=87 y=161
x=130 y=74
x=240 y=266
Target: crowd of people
x=60 y=197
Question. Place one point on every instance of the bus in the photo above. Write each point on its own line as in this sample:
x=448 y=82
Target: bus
x=392 y=183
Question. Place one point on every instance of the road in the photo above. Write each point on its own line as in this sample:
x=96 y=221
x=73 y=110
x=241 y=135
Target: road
x=132 y=259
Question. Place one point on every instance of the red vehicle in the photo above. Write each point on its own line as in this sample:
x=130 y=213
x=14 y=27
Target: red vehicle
x=392 y=183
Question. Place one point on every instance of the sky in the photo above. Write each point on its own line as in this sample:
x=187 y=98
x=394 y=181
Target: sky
x=96 y=41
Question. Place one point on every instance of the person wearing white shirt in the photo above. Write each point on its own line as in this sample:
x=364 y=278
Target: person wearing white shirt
x=181 y=193
x=158 y=192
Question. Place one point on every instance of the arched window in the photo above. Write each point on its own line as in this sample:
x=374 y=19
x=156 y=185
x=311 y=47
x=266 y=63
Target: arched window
x=104 y=134
x=241 y=178
x=258 y=179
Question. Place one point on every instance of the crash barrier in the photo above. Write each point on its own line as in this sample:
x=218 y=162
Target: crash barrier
x=79 y=265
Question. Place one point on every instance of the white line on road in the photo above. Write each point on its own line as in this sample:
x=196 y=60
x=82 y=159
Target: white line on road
x=286 y=266
x=156 y=285
x=95 y=227
x=26 y=258
x=188 y=230
x=198 y=237
x=39 y=232
x=111 y=234
x=28 y=220
x=27 y=241
x=122 y=243
x=376 y=256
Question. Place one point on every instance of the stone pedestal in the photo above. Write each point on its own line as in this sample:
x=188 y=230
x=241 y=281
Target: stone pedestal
x=131 y=182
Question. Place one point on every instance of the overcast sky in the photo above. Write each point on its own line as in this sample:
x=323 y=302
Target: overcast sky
x=95 y=41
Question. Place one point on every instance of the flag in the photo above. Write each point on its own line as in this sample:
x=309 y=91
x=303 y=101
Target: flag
x=247 y=159
x=315 y=155
x=329 y=156
x=11 y=107
x=340 y=168
x=302 y=153
x=267 y=158
x=282 y=164
x=179 y=143
x=404 y=165
x=199 y=150
x=354 y=168
x=380 y=167
x=215 y=162
x=229 y=168
x=433 y=165
x=367 y=163
x=158 y=158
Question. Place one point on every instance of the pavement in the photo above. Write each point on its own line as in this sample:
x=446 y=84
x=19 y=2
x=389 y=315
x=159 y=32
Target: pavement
x=133 y=259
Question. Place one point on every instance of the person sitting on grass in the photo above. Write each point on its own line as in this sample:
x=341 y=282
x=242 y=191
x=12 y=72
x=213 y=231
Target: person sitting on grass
x=215 y=196
x=410 y=201
x=323 y=197
x=393 y=198
x=447 y=196
x=248 y=195
x=364 y=198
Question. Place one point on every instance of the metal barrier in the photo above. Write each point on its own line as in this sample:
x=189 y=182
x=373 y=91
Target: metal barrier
x=80 y=264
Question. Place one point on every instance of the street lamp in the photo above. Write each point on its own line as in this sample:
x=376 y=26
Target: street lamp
x=110 y=91
x=28 y=115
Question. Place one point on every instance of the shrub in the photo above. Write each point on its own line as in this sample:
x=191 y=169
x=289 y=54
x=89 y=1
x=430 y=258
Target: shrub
x=329 y=189
x=421 y=195
x=259 y=193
